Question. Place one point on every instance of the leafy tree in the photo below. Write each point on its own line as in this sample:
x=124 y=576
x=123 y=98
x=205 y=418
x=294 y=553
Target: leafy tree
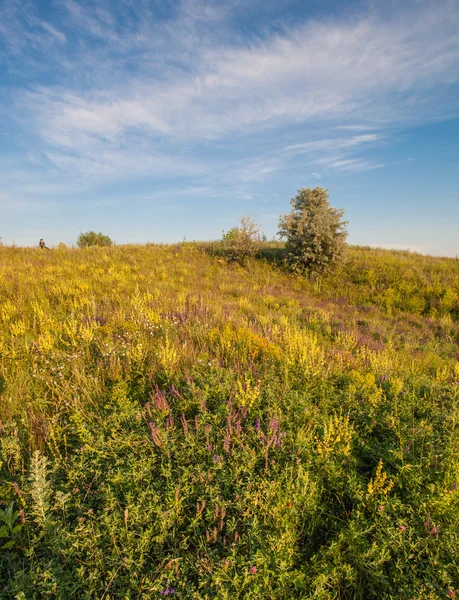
x=91 y=238
x=243 y=241
x=314 y=231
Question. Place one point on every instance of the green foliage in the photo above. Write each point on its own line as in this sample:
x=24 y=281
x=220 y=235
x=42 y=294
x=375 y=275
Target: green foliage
x=91 y=238
x=397 y=282
x=314 y=231
x=9 y=527
x=174 y=425
x=242 y=242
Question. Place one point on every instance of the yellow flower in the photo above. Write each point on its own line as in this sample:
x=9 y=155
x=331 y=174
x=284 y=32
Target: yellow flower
x=381 y=484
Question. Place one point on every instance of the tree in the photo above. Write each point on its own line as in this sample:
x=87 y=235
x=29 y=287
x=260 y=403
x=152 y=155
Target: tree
x=240 y=243
x=314 y=231
x=91 y=238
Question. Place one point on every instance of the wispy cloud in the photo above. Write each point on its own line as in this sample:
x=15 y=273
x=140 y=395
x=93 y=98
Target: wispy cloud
x=347 y=164
x=372 y=67
x=334 y=144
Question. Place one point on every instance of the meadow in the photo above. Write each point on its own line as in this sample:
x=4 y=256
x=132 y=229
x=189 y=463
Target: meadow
x=174 y=425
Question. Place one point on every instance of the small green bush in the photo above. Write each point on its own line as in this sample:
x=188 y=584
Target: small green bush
x=91 y=238
x=242 y=242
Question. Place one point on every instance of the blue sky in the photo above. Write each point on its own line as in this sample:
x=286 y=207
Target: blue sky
x=155 y=120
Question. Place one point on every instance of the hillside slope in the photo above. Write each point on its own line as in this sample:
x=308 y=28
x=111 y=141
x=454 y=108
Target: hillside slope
x=174 y=425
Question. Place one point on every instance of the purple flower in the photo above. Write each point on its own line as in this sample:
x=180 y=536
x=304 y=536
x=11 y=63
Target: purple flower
x=184 y=425
x=154 y=434
x=274 y=424
x=257 y=424
x=176 y=393
x=167 y=591
x=217 y=458
x=201 y=401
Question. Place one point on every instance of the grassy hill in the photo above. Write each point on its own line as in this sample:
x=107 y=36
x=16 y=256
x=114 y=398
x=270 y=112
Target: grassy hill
x=173 y=425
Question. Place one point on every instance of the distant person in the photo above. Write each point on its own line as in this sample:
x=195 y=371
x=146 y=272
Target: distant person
x=43 y=245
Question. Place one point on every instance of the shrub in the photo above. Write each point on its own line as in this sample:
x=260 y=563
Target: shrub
x=242 y=242
x=314 y=232
x=91 y=238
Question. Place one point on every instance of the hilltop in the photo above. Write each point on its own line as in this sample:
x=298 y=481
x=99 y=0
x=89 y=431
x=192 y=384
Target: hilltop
x=171 y=424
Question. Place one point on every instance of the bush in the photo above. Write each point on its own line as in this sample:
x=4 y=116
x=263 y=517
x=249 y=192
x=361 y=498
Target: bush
x=91 y=238
x=240 y=243
x=314 y=232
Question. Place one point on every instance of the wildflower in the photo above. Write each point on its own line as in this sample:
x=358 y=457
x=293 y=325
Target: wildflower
x=216 y=458
x=380 y=484
x=253 y=570
x=184 y=425
x=402 y=528
x=168 y=591
x=154 y=434
x=257 y=424
x=207 y=429
x=160 y=400
x=148 y=408
x=298 y=460
x=427 y=521
x=451 y=593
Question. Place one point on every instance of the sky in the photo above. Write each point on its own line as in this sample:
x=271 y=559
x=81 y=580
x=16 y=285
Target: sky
x=158 y=120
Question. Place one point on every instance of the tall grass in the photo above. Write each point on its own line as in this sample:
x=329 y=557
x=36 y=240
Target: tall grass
x=173 y=425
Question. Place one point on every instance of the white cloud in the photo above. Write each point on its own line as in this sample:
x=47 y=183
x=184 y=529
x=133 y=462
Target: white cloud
x=54 y=32
x=373 y=68
x=347 y=164
x=333 y=144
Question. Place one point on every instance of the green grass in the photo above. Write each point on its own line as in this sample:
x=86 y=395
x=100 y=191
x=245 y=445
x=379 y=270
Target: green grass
x=173 y=425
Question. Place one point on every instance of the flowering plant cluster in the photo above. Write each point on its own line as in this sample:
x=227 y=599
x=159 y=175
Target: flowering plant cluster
x=174 y=425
